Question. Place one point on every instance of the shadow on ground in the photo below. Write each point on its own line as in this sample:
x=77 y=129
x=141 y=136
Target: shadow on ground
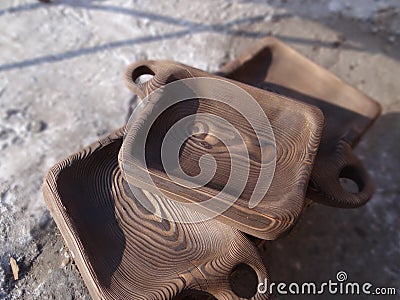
x=352 y=33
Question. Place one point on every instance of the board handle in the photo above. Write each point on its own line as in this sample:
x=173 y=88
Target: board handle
x=142 y=77
x=331 y=187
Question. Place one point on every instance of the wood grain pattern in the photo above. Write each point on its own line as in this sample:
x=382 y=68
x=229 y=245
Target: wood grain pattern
x=274 y=66
x=124 y=252
x=296 y=128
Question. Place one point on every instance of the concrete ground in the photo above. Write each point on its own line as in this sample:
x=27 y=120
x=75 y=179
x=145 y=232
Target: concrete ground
x=61 y=87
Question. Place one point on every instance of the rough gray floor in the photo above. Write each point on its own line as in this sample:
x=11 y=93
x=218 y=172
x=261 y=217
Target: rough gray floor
x=61 y=87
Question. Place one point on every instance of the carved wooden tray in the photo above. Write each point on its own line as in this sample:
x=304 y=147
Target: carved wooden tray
x=122 y=251
x=274 y=66
x=296 y=128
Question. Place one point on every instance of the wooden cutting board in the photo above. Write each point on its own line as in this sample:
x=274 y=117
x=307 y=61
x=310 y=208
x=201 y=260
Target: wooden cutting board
x=124 y=252
x=296 y=130
x=274 y=66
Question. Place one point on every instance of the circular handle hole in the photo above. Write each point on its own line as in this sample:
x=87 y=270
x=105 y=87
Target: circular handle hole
x=350 y=180
x=243 y=281
x=142 y=74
